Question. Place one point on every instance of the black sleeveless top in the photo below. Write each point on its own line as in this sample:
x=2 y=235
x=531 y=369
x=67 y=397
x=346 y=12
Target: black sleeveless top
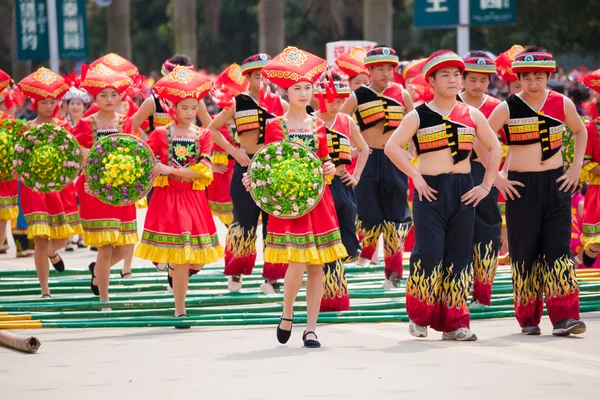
x=250 y=116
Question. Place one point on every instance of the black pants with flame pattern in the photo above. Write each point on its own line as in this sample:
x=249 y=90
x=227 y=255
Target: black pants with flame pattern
x=437 y=289
x=539 y=234
x=382 y=199
x=488 y=227
x=240 y=245
x=335 y=286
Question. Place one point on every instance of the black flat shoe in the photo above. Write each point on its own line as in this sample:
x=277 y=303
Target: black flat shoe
x=310 y=343
x=92 y=268
x=58 y=266
x=589 y=261
x=182 y=327
x=282 y=335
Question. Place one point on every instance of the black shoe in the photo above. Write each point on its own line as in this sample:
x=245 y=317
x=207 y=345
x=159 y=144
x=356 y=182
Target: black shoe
x=531 y=330
x=92 y=248
x=569 y=326
x=69 y=249
x=276 y=286
x=92 y=268
x=310 y=343
x=182 y=327
x=587 y=260
x=58 y=266
x=124 y=274
x=282 y=335
x=169 y=277
x=80 y=244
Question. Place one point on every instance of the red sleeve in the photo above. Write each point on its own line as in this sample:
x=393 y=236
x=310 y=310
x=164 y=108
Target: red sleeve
x=158 y=144
x=323 y=150
x=127 y=125
x=206 y=144
x=273 y=104
x=592 y=150
x=273 y=131
x=83 y=133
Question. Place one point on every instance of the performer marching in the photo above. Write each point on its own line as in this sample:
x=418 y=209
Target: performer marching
x=45 y=212
x=488 y=222
x=188 y=237
x=352 y=64
x=310 y=241
x=112 y=229
x=591 y=172
x=9 y=209
x=382 y=192
x=344 y=134
x=537 y=192
x=250 y=112
x=443 y=132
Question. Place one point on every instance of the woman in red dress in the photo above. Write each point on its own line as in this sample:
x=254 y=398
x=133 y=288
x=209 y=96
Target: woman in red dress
x=9 y=208
x=179 y=228
x=310 y=241
x=112 y=229
x=45 y=213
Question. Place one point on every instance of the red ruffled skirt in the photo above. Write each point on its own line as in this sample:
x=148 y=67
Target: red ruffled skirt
x=179 y=227
x=9 y=200
x=219 y=198
x=105 y=224
x=45 y=214
x=313 y=238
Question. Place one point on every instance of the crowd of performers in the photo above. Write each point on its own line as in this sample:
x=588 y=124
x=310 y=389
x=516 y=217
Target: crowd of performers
x=418 y=156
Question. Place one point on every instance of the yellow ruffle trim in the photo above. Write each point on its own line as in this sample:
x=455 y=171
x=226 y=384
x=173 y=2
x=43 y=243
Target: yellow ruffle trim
x=329 y=178
x=589 y=241
x=8 y=214
x=77 y=229
x=504 y=152
x=220 y=158
x=179 y=256
x=586 y=176
x=142 y=203
x=226 y=219
x=310 y=256
x=43 y=230
x=112 y=238
x=207 y=176
x=161 y=181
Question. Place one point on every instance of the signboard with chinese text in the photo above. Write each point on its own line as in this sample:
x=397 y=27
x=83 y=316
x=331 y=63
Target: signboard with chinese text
x=336 y=49
x=493 y=12
x=32 y=30
x=436 y=13
x=72 y=29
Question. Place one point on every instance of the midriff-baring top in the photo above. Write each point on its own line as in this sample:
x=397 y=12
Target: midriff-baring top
x=486 y=108
x=338 y=140
x=219 y=155
x=436 y=132
x=373 y=107
x=249 y=115
x=527 y=126
x=160 y=116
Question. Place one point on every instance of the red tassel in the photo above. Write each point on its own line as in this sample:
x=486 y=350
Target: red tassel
x=322 y=103
x=333 y=92
x=84 y=70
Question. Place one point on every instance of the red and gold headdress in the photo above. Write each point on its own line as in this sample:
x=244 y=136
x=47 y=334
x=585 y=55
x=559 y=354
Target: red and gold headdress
x=255 y=62
x=412 y=69
x=118 y=64
x=100 y=77
x=179 y=85
x=168 y=67
x=5 y=80
x=535 y=61
x=442 y=59
x=592 y=80
x=43 y=84
x=504 y=64
x=352 y=63
x=229 y=84
x=293 y=65
x=480 y=65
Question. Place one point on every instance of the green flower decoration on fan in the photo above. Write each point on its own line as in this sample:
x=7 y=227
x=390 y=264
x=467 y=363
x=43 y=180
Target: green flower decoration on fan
x=119 y=169
x=287 y=179
x=10 y=132
x=47 y=158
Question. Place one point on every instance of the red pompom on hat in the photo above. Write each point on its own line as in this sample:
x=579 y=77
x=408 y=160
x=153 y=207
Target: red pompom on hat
x=592 y=80
x=504 y=64
x=293 y=65
x=100 y=77
x=229 y=84
x=442 y=59
x=43 y=84
x=118 y=64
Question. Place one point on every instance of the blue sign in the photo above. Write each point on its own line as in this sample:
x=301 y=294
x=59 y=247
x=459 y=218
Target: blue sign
x=32 y=30
x=436 y=13
x=493 y=12
x=72 y=29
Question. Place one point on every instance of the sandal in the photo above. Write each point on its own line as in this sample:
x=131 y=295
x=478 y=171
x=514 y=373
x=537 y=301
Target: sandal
x=310 y=343
x=124 y=274
x=92 y=268
x=60 y=265
x=46 y=296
